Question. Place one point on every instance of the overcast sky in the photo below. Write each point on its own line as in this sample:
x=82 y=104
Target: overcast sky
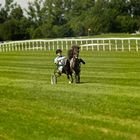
x=23 y=3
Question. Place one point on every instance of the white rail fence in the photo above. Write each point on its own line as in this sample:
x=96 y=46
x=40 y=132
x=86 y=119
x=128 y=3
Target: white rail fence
x=89 y=44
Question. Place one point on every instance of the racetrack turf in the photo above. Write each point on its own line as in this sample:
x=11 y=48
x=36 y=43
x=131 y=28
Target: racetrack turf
x=104 y=106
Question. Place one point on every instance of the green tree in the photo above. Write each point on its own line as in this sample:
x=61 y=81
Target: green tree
x=3 y=15
x=36 y=12
x=65 y=18
x=127 y=15
x=134 y=7
x=7 y=29
x=16 y=13
x=79 y=15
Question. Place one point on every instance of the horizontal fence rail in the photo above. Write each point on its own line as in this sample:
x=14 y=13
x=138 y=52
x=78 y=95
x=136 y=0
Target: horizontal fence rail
x=89 y=44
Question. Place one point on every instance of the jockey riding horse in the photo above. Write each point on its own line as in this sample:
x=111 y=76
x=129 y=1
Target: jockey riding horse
x=72 y=65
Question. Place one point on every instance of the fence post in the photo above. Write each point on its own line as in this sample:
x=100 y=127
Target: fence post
x=116 y=41
x=0 y=47
x=98 y=45
x=66 y=44
x=103 y=45
x=122 y=45
x=137 y=47
x=129 y=48
x=109 y=44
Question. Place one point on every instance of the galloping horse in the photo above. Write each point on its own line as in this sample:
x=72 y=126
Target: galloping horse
x=75 y=62
x=72 y=66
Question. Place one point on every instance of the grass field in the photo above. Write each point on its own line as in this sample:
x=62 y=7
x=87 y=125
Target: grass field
x=104 y=106
x=110 y=35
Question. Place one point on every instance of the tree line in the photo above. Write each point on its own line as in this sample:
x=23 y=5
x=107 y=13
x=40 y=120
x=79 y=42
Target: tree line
x=68 y=18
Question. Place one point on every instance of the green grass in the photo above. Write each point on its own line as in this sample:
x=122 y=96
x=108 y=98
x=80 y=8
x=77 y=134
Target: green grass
x=119 y=35
x=105 y=106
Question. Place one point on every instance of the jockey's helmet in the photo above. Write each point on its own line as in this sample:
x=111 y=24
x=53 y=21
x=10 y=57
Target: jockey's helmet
x=58 y=51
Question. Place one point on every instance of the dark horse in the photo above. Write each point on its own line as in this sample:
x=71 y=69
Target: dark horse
x=72 y=66
x=74 y=62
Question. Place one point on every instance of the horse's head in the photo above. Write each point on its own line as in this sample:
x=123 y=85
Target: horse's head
x=73 y=52
x=76 y=50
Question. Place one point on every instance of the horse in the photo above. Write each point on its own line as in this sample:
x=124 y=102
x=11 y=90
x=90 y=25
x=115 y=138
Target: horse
x=72 y=66
x=75 y=62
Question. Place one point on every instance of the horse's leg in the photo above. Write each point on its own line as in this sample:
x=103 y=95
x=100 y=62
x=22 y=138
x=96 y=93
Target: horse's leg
x=70 y=78
x=78 y=78
x=74 y=76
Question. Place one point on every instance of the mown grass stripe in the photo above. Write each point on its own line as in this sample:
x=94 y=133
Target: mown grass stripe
x=104 y=106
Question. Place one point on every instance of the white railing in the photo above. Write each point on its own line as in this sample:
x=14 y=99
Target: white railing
x=91 y=44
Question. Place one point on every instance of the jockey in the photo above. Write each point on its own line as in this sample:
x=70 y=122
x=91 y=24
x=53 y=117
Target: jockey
x=59 y=61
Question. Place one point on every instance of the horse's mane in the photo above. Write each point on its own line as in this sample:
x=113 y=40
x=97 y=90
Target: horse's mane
x=73 y=51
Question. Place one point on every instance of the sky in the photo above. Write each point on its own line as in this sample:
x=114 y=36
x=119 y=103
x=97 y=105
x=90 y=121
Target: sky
x=23 y=3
